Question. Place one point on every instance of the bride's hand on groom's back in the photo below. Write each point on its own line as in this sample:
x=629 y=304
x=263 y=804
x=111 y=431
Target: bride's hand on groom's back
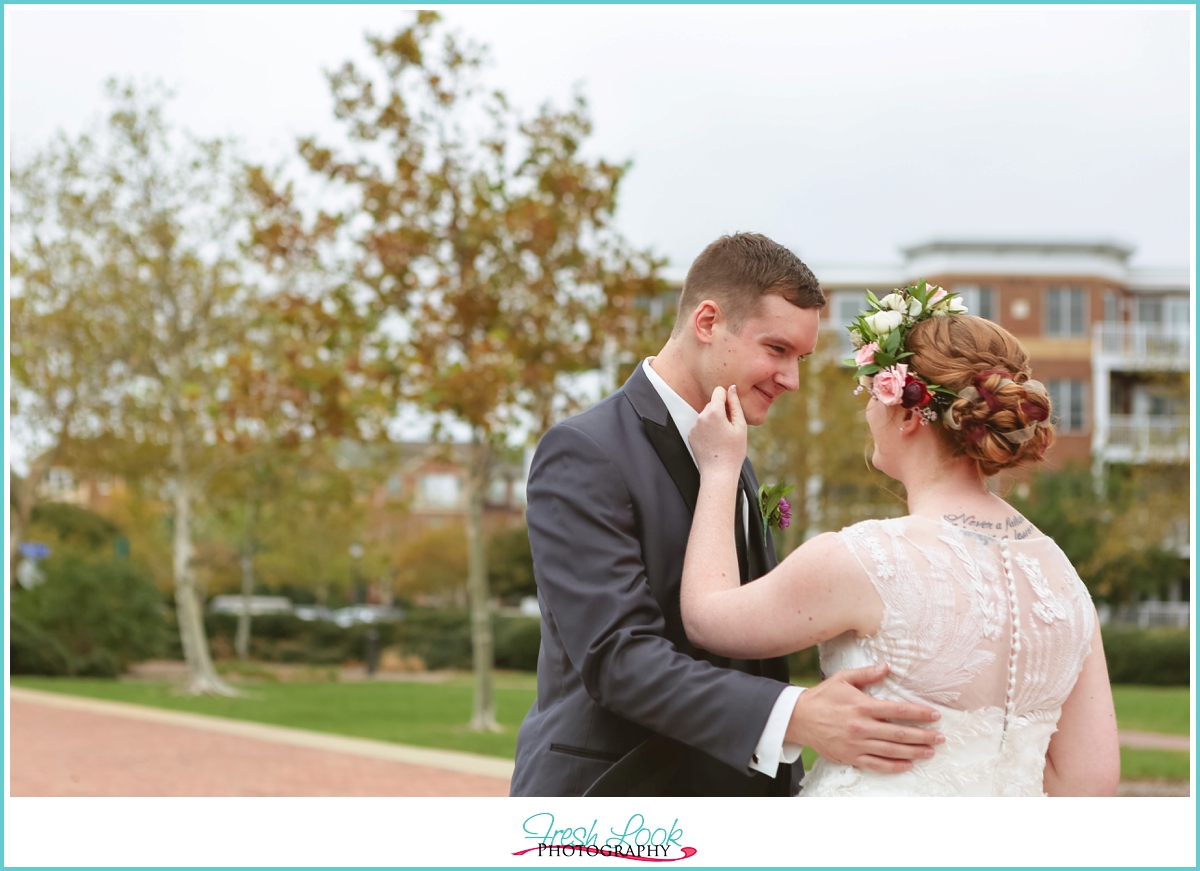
x=845 y=725
x=719 y=437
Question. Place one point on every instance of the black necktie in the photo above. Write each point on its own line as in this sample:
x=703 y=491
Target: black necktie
x=743 y=561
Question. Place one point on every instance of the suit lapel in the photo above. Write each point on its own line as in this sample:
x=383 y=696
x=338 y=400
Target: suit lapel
x=669 y=446
x=667 y=442
x=760 y=562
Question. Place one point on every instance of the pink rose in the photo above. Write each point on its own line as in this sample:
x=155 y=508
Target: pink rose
x=938 y=296
x=866 y=354
x=888 y=385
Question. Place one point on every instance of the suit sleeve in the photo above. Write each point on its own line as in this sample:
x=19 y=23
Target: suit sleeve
x=589 y=570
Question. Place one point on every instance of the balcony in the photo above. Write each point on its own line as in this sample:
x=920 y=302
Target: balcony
x=1146 y=439
x=1133 y=347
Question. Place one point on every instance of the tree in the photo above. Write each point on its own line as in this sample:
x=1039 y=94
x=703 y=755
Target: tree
x=63 y=357
x=488 y=242
x=510 y=564
x=1117 y=535
x=817 y=439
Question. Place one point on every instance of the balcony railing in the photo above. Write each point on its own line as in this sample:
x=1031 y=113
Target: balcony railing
x=1135 y=438
x=1144 y=346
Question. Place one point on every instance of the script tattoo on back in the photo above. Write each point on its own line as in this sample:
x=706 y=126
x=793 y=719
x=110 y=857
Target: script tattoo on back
x=1014 y=526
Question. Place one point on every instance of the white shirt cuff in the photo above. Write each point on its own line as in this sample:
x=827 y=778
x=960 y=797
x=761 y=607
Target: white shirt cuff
x=771 y=750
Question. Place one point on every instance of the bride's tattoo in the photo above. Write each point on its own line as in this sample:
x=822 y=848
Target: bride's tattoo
x=1016 y=525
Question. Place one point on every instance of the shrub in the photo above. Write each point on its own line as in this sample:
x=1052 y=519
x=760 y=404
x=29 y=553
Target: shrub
x=1155 y=657
x=805 y=664
x=33 y=651
x=102 y=612
x=517 y=642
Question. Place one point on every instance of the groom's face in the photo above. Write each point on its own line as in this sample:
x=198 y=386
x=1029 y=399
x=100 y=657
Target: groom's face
x=763 y=358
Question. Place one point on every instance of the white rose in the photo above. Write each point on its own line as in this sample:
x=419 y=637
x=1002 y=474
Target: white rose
x=882 y=323
x=914 y=307
x=894 y=301
x=956 y=306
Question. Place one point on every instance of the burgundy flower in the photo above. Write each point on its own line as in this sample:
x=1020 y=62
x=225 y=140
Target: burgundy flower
x=785 y=514
x=916 y=394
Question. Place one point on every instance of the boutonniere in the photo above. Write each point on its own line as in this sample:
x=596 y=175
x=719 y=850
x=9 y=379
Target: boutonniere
x=776 y=512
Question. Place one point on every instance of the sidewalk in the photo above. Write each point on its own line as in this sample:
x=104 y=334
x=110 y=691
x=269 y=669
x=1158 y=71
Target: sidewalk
x=70 y=746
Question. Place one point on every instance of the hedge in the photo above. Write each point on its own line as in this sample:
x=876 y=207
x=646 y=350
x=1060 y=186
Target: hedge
x=1153 y=657
x=440 y=637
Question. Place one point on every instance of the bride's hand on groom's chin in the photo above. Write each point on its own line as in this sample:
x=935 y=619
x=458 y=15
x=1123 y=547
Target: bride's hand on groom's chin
x=718 y=439
x=845 y=725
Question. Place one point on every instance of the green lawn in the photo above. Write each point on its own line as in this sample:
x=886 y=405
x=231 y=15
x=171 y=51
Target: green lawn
x=1139 y=764
x=1153 y=709
x=422 y=714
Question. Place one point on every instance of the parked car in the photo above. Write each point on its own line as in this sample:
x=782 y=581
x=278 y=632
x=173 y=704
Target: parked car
x=365 y=614
x=312 y=612
x=259 y=605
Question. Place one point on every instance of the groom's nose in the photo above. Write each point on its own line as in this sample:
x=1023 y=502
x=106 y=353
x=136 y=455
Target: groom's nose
x=788 y=376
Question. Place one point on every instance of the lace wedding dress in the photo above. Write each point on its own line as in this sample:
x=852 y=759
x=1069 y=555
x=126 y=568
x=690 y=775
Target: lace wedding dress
x=991 y=632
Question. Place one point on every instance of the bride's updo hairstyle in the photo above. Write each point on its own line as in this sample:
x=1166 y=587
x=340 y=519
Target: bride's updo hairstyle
x=999 y=424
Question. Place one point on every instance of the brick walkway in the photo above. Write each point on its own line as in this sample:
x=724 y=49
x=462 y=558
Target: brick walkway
x=59 y=750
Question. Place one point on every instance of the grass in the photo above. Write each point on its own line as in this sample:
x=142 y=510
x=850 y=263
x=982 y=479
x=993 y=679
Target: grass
x=1140 y=764
x=1153 y=709
x=421 y=714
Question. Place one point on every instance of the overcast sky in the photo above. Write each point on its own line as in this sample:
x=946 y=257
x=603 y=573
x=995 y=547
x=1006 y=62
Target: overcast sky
x=842 y=132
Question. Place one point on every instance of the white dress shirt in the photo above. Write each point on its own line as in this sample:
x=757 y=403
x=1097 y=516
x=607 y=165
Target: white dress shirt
x=771 y=749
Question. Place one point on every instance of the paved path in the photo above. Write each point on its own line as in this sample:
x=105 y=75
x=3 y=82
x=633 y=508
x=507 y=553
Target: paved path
x=1154 y=741
x=66 y=746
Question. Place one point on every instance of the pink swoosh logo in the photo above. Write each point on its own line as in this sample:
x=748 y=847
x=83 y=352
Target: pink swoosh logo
x=688 y=852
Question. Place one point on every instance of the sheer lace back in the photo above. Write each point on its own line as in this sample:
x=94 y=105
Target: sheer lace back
x=992 y=631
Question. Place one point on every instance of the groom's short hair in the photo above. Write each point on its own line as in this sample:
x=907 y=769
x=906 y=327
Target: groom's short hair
x=737 y=271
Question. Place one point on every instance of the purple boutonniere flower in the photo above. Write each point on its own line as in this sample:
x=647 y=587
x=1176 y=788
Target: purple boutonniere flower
x=776 y=511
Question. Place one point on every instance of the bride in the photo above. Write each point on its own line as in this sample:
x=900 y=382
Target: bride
x=975 y=612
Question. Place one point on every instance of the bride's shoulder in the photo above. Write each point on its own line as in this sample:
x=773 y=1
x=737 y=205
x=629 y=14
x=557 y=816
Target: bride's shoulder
x=875 y=526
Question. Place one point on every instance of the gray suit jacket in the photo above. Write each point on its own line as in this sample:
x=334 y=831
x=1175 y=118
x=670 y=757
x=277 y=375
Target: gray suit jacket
x=610 y=500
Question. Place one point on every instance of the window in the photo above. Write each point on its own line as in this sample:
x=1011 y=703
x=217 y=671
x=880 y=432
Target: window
x=1178 y=311
x=1112 y=308
x=847 y=305
x=1150 y=311
x=1066 y=311
x=498 y=491
x=1066 y=404
x=980 y=301
x=440 y=491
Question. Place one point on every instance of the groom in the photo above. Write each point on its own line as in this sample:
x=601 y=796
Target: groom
x=626 y=705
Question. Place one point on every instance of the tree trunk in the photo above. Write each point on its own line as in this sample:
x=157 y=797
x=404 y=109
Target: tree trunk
x=202 y=677
x=814 y=483
x=242 y=642
x=483 y=715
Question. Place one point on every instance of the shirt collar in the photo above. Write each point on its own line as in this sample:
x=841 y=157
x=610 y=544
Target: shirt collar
x=681 y=412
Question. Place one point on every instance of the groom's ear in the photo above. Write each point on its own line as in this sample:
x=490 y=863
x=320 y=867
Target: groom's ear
x=705 y=319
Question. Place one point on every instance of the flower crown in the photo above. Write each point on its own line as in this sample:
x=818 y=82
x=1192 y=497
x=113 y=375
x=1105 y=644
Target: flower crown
x=879 y=335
